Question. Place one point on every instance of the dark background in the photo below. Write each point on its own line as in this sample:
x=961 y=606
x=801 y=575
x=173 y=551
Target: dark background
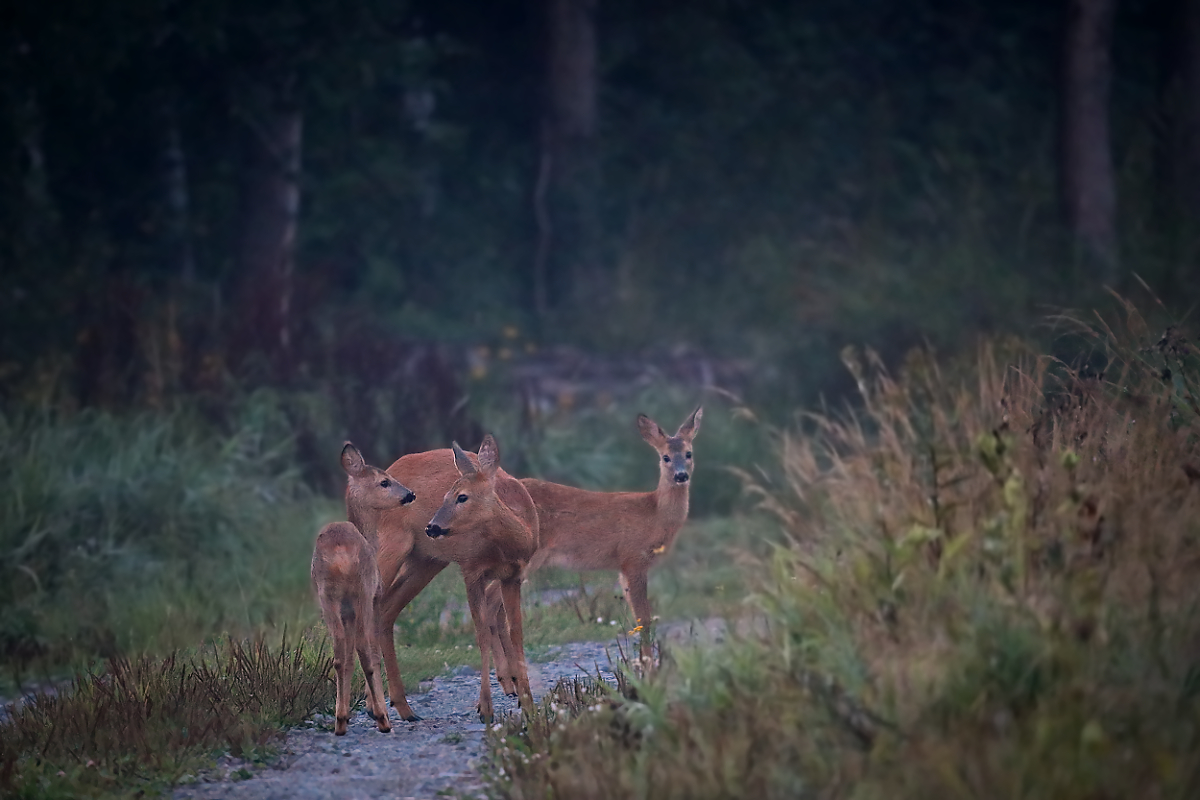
x=382 y=199
x=235 y=234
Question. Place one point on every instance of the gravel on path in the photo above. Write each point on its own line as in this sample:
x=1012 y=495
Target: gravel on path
x=436 y=757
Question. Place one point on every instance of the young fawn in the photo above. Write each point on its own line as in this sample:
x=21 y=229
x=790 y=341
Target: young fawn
x=346 y=579
x=489 y=526
x=626 y=531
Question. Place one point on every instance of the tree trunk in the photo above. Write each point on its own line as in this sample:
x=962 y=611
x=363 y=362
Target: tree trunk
x=567 y=262
x=177 y=196
x=270 y=212
x=1182 y=109
x=39 y=217
x=1088 y=184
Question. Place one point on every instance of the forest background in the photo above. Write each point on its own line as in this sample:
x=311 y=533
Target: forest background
x=233 y=235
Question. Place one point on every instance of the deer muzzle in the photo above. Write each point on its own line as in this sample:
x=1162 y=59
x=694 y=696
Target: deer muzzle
x=434 y=531
x=408 y=498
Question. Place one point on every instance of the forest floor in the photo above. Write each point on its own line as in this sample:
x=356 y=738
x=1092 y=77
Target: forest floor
x=441 y=755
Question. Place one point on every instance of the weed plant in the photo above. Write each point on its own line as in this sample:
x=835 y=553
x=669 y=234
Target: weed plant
x=988 y=591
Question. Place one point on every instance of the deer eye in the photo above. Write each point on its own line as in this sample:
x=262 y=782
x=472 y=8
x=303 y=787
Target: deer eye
x=462 y=498
x=385 y=483
x=666 y=459
x=688 y=454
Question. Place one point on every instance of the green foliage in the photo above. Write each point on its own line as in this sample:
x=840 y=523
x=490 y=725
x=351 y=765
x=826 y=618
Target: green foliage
x=988 y=590
x=120 y=533
x=141 y=724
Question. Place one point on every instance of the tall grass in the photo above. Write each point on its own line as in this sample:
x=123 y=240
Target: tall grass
x=989 y=591
x=141 y=724
x=120 y=533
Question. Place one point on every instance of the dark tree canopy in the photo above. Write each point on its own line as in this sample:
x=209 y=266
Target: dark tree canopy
x=234 y=187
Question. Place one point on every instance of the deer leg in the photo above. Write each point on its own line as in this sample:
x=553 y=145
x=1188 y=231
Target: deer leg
x=414 y=578
x=514 y=634
x=343 y=665
x=337 y=632
x=368 y=656
x=635 y=584
x=476 y=600
x=502 y=648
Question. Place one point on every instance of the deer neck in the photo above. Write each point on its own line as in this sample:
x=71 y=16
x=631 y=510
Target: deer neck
x=506 y=525
x=367 y=522
x=671 y=499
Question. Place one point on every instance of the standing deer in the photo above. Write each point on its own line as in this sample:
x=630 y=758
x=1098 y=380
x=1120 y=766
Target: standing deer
x=346 y=579
x=626 y=531
x=490 y=528
x=409 y=560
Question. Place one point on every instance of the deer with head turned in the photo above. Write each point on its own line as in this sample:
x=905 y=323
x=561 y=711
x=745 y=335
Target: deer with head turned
x=346 y=579
x=489 y=527
x=626 y=531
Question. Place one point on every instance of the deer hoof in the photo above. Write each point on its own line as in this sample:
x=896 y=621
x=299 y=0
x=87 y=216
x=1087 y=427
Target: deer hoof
x=412 y=718
x=339 y=726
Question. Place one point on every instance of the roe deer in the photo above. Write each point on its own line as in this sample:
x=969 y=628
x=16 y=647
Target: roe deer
x=490 y=527
x=346 y=579
x=582 y=530
x=409 y=559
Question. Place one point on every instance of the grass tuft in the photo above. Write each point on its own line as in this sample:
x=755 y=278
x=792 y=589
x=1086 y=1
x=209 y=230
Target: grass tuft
x=145 y=722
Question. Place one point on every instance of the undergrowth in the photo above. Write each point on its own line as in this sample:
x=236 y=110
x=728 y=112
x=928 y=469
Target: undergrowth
x=141 y=724
x=988 y=591
x=147 y=531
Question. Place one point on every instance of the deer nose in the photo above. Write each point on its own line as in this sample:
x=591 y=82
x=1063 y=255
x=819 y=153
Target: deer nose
x=408 y=498
x=434 y=531
x=681 y=477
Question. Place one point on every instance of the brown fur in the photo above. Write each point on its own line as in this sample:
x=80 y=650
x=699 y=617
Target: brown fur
x=491 y=528
x=624 y=531
x=409 y=559
x=346 y=579
x=602 y=530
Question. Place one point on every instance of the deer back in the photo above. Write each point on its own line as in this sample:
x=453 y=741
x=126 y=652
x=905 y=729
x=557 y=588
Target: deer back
x=430 y=475
x=586 y=530
x=343 y=561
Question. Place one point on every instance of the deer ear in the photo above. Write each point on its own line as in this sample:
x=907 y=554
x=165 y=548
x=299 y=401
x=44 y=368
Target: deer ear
x=352 y=460
x=654 y=435
x=489 y=456
x=462 y=460
x=691 y=425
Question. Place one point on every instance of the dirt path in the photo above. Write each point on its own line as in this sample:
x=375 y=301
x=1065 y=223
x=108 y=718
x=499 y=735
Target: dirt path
x=434 y=757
